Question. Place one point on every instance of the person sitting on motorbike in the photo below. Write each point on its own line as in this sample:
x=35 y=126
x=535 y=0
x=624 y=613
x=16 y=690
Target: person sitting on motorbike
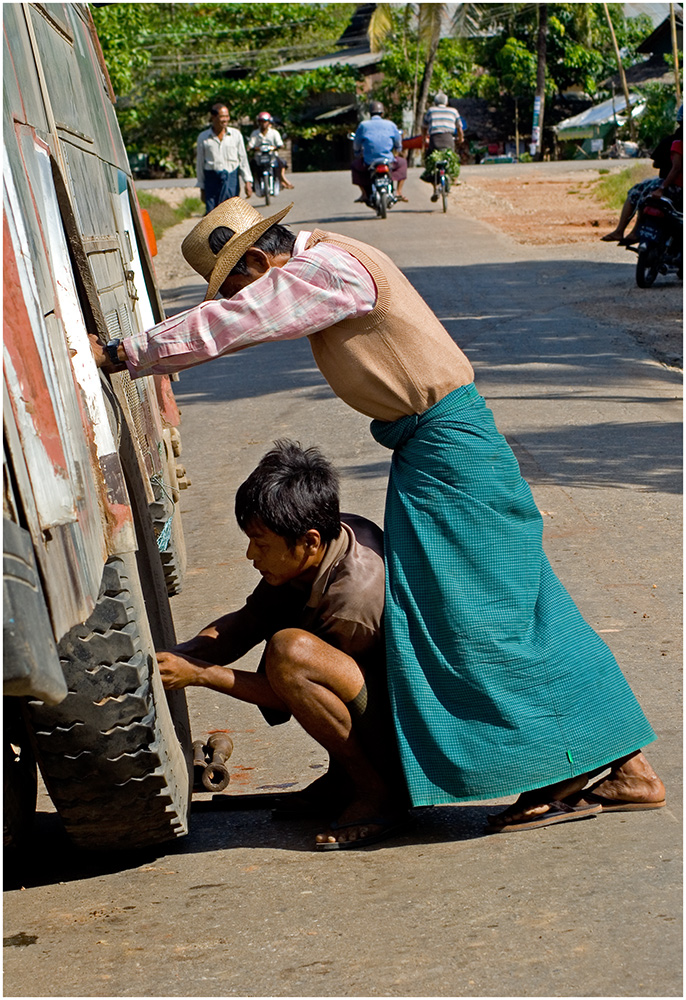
x=442 y=125
x=650 y=188
x=266 y=135
x=672 y=186
x=374 y=139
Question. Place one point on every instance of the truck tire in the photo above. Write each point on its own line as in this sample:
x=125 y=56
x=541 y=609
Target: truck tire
x=109 y=753
x=20 y=779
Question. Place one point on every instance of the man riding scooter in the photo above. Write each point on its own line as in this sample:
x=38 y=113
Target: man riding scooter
x=374 y=139
x=266 y=134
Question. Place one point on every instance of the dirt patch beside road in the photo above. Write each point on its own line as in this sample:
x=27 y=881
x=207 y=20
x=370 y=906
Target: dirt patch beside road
x=545 y=209
x=540 y=208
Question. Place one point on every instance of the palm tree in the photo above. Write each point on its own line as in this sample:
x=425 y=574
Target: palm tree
x=429 y=18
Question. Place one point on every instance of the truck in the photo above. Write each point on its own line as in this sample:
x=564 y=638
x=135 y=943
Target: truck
x=92 y=537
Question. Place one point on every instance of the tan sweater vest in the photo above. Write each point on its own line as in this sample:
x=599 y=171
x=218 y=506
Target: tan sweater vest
x=398 y=359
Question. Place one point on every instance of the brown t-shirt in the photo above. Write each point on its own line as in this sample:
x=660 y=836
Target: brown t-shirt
x=343 y=606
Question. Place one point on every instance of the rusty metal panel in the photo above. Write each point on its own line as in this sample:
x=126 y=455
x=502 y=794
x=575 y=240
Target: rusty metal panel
x=34 y=394
x=59 y=411
x=23 y=101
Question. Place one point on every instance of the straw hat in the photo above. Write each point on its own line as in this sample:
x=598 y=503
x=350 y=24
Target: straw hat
x=248 y=225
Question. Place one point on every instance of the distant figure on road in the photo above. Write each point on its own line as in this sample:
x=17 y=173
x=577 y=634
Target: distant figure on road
x=498 y=686
x=221 y=160
x=318 y=608
x=267 y=134
x=443 y=126
x=377 y=138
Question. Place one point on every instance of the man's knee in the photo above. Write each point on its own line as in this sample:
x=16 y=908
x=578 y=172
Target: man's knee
x=287 y=655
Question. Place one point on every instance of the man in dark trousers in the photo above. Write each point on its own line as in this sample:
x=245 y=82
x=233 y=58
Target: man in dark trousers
x=221 y=160
x=498 y=686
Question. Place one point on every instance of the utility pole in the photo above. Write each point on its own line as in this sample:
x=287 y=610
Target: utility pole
x=539 y=99
x=622 y=75
x=675 y=53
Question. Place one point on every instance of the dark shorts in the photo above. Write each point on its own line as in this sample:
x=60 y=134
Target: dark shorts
x=441 y=140
x=360 y=171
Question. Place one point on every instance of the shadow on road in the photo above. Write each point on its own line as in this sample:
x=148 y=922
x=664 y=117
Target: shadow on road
x=216 y=827
x=519 y=349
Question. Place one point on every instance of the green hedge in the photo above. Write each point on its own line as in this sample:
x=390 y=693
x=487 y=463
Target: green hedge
x=436 y=156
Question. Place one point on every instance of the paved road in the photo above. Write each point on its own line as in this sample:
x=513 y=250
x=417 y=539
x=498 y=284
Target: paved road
x=242 y=907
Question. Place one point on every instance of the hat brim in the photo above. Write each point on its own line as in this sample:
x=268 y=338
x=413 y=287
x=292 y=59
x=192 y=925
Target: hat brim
x=231 y=253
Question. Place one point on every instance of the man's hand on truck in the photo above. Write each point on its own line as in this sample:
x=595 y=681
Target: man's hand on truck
x=103 y=359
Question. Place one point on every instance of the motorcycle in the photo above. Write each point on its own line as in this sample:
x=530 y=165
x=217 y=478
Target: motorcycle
x=267 y=172
x=382 y=195
x=660 y=241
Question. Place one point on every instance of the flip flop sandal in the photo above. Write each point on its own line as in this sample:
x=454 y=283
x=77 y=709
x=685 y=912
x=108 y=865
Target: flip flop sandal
x=558 y=812
x=389 y=828
x=613 y=805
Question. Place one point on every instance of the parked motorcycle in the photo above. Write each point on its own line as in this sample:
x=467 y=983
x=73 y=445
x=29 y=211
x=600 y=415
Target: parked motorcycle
x=383 y=195
x=660 y=241
x=267 y=173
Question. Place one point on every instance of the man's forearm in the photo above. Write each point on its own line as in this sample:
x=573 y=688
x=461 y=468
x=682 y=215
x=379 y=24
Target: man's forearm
x=181 y=671
x=223 y=641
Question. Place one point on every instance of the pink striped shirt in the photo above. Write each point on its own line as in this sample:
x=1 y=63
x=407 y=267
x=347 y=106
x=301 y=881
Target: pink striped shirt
x=314 y=290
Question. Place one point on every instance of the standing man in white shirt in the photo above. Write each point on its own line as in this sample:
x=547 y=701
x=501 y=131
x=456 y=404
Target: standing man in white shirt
x=221 y=160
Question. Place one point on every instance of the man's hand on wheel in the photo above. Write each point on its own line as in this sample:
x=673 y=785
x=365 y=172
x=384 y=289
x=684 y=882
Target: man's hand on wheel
x=178 y=671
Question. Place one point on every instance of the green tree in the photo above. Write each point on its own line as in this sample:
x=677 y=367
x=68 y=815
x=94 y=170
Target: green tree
x=170 y=61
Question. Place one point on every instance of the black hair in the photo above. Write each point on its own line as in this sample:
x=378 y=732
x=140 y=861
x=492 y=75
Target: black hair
x=217 y=106
x=277 y=239
x=292 y=490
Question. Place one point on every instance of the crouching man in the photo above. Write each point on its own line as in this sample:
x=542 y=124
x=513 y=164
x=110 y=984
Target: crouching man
x=319 y=609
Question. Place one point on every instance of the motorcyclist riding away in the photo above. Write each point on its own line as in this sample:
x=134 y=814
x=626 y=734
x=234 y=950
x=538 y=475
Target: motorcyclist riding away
x=266 y=135
x=377 y=138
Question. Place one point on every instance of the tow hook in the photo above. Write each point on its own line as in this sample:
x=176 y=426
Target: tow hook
x=210 y=772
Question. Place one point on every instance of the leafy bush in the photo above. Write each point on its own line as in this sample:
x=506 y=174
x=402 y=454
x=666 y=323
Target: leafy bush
x=659 y=117
x=436 y=156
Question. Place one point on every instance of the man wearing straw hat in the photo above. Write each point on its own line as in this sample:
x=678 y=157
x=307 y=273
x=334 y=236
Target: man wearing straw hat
x=498 y=686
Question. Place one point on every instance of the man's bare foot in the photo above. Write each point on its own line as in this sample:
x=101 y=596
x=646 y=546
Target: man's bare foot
x=634 y=781
x=529 y=805
x=613 y=237
x=363 y=822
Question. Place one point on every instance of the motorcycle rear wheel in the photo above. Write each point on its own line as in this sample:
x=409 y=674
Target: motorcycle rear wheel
x=647 y=267
x=444 y=196
x=383 y=205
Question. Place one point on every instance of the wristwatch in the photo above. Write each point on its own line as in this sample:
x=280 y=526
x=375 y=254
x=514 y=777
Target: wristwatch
x=112 y=347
